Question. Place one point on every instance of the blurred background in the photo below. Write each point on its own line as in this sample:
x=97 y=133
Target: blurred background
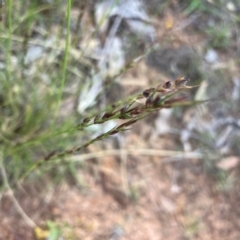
x=174 y=175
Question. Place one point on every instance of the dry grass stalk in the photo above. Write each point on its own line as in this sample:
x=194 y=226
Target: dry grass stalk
x=163 y=96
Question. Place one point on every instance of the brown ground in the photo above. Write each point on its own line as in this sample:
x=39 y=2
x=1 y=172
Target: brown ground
x=136 y=197
x=161 y=201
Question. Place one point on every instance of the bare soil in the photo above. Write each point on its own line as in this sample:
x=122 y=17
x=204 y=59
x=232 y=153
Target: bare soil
x=135 y=197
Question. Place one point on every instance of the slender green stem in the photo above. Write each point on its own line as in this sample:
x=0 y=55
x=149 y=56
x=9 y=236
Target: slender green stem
x=9 y=40
x=8 y=81
x=66 y=54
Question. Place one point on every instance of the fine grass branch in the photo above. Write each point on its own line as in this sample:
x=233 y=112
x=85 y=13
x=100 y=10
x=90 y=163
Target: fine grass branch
x=66 y=53
x=165 y=95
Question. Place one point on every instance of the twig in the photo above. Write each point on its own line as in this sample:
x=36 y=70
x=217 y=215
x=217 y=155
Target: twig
x=19 y=209
x=147 y=152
